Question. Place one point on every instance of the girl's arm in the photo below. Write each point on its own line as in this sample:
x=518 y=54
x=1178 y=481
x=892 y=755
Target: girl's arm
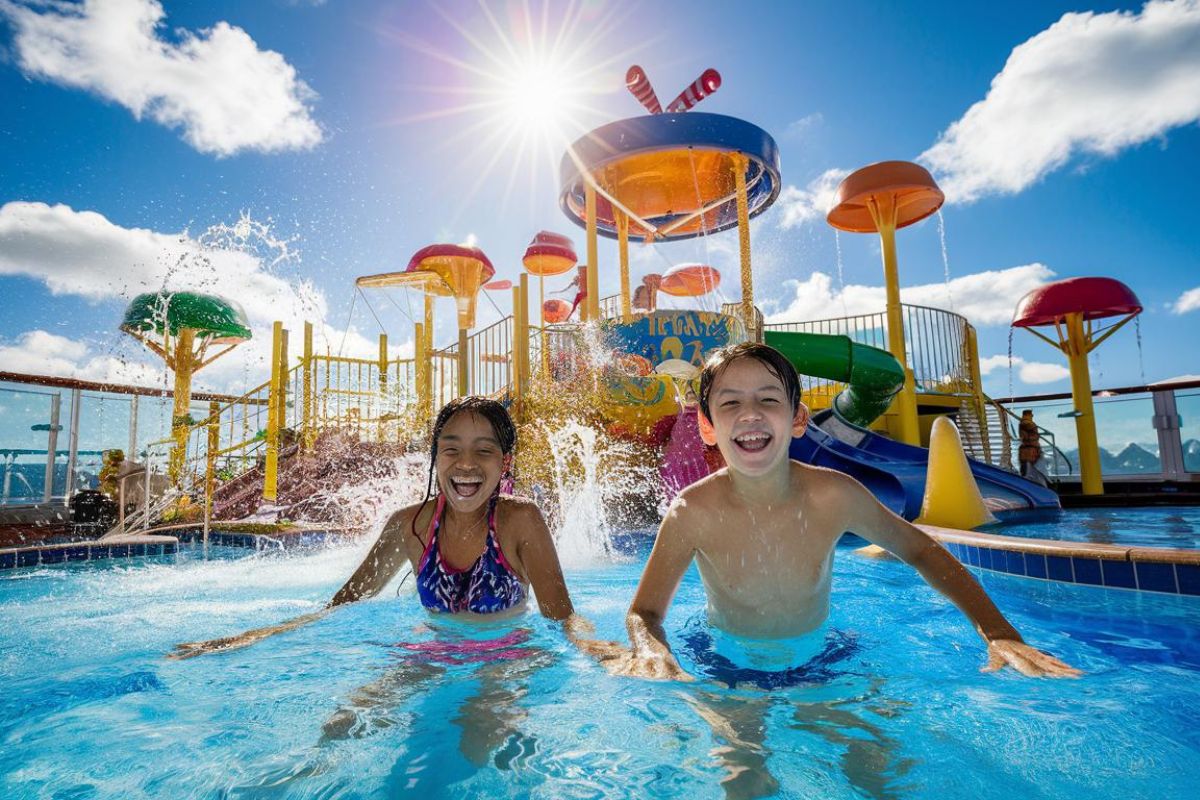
x=539 y=558
x=383 y=561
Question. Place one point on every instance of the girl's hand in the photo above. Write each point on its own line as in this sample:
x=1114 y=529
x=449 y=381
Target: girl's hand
x=226 y=643
x=1027 y=660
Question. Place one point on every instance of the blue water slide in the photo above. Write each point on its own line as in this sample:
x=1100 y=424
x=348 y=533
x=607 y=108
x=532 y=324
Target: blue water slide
x=895 y=472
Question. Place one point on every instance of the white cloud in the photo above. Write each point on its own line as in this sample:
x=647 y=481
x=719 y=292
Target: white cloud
x=217 y=86
x=1188 y=301
x=798 y=129
x=1090 y=83
x=799 y=206
x=985 y=298
x=1028 y=371
x=82 y=253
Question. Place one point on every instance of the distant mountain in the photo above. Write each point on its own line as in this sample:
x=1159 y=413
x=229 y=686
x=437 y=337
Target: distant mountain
x=1134 y=459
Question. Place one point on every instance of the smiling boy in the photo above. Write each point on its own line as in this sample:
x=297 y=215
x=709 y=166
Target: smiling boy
x=763 y=530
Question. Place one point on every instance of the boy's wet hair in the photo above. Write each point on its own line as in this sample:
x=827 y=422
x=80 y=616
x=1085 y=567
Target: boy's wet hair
x=491 y=410
x=775 y=362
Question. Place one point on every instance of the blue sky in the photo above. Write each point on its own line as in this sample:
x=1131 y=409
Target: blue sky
x=1065 y=135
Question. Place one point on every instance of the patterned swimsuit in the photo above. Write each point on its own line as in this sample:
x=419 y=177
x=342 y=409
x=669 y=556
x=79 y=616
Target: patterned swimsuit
x=486 y=587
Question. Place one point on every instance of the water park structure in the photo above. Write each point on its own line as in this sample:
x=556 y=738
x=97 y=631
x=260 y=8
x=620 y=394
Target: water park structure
x=877 y=383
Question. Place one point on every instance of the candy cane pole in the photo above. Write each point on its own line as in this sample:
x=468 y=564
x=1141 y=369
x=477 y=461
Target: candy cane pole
x=708 y=82
x=639 y=86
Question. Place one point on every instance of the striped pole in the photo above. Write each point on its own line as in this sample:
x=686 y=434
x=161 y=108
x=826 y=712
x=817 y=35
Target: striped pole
x=708 y=82
x=639 y=86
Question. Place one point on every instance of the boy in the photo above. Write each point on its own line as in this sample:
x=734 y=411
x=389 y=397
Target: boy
x=763 y=530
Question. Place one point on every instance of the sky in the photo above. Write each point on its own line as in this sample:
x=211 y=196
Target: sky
x=273 y=150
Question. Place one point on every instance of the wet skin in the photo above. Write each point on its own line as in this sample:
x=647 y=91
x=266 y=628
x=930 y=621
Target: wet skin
x=763 y=531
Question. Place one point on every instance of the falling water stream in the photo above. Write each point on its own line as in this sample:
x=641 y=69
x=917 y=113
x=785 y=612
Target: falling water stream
x=945 y=258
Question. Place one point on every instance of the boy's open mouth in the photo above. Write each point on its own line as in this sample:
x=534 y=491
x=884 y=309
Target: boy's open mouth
x=466 y=486
x=752 y=442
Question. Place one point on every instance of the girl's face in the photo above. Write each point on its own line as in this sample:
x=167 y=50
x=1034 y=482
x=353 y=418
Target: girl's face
x=469 y=462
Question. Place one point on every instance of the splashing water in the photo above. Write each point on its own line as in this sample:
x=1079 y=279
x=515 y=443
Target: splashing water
x=837 y=243
x=592 y=475
x=945 y=258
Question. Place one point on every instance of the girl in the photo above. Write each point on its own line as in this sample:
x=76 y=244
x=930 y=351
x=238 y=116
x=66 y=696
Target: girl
x=474 y=551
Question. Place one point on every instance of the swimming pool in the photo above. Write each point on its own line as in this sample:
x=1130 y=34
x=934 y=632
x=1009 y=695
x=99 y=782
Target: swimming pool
x=1140 y=527
x=95 y=711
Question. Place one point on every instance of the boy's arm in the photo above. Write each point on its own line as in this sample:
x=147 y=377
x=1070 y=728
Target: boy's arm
x=942 y=571
x=651 y=656
x=383 y=561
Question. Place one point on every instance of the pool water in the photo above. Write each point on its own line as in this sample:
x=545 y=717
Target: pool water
x=1140 y=527
x=94 y=710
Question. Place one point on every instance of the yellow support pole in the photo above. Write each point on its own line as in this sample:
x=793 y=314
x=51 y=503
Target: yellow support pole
x=271 y=464
x=1076 y=347
x=521 y=320
x=545 y=365
x=421 y=372
x=592 y=302
x=184 y=365
x=514 y=366
x=623 y=257
x=883 y=211
x=464 y=364
x=740 y=163
x=309 y=424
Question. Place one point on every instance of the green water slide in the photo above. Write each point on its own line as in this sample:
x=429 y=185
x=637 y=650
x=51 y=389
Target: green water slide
x=873 y=376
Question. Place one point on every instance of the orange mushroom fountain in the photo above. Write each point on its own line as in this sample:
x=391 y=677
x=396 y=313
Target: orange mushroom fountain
x=443 y=270
x=882 y=198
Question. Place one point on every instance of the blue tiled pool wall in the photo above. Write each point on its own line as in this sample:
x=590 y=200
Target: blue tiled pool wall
x=1112 y=574
x=91 y=551
x=35 y=556
x=260 y=541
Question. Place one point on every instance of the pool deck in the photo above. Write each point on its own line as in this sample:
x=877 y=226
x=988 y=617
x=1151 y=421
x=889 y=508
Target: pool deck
x=1110 y=566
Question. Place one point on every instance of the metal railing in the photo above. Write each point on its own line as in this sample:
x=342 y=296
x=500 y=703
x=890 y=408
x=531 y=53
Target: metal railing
x=936 y=344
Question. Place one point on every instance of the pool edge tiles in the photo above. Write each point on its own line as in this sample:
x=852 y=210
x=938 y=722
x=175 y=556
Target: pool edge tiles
x=123 y=547
x=1159 y=570
x=263 y=541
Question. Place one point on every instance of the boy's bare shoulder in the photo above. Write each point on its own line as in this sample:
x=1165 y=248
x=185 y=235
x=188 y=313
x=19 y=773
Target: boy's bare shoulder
x=830 y=483
x=704 y=495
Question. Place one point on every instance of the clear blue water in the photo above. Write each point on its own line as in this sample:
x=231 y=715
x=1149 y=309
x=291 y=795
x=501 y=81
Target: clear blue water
x=94 y=710
x=1142 y=527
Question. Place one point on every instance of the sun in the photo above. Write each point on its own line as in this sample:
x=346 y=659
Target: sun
x=524 y=88
x=539 y=96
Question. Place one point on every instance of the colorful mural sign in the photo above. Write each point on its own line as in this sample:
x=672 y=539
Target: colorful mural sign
x=671 y=334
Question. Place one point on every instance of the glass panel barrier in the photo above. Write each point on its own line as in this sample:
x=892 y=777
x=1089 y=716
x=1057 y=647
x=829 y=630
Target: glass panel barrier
x=1187 y=405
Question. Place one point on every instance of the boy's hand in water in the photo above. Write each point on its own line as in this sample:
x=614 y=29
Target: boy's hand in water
x=620 y=660
x=1027 y=660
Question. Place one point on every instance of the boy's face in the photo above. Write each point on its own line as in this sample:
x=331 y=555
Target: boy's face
x=752 y=421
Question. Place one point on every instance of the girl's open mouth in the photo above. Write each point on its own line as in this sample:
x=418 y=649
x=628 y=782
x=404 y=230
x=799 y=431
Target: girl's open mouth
x=466 y=487
x=752 y=442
